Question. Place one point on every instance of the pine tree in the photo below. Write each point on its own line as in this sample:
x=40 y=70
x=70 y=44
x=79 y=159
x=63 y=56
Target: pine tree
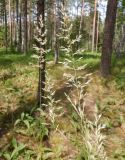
x=108 y=37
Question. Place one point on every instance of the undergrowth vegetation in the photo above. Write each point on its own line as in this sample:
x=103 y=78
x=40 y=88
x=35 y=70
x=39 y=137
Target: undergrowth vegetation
x=64 y=130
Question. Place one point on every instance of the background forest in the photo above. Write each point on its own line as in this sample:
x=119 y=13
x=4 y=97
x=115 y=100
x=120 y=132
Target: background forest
x=62 y=79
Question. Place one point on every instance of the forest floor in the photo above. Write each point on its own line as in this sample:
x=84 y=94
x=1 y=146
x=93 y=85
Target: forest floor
x=18 y=92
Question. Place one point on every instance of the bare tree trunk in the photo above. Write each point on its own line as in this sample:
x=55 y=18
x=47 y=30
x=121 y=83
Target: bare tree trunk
x=123 y=38
x=56 y=28
x=108 y=37
x=25 y=26
x=82 y=14
x=17 y=24
x=41 y=84
x=30 y=32
x=20 y=27
x=10 y=24
x=94 y=25
x=119 y=49
x=5 y=20
x=97 y=32
x=13 y=25
x=50 y=23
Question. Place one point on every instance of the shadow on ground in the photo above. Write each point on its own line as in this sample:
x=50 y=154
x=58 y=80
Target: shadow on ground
x=8 y=119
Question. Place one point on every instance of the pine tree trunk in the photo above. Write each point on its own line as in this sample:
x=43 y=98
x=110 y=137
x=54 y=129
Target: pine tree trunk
x=20 y=27
x=108 y=38
x=30 y=32
x=97 y=32
x=82 y=14
x=17 y=24
x=5 y=21
x=94 y=25
x=50 y=24
x=25 y=26
x=13 y=26
x=10 y=24
x=41 y=84
x=56 y=50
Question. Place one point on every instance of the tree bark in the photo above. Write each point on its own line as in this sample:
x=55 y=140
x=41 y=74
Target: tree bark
x=94 y=25
x=5 y=20
x=41 y=83
x=97 y=32
x=17 y=24
x=56 y=29
x=13 y=25
x=25 y=26
x=119 y=49
x=10 y=23
x=108 y=37
x=20 y=27
x=30 y=31
x=82 y=14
